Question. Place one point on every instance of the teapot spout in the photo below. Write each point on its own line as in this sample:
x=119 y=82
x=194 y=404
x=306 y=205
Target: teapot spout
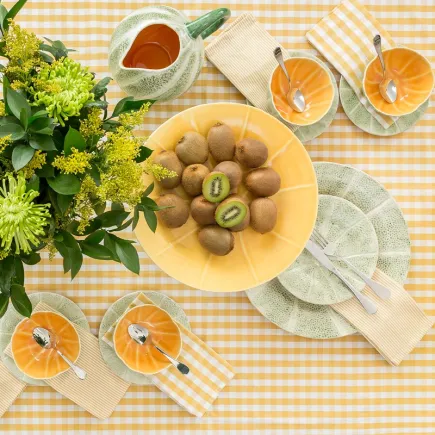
x=207 y=24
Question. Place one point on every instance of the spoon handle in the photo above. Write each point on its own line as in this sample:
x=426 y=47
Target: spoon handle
x=81 y=374
x=378 y=48
x=182 y=368
x=278 y=56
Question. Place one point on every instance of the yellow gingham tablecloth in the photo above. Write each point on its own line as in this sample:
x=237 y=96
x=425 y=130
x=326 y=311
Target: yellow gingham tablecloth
x=285 y=384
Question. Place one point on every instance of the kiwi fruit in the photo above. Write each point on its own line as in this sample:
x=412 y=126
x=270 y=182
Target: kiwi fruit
x=192 y=148
x=192 y=178
x=217 y=240
x=231 y=212
x=177 y=214
x=263 y=182
x=251 y=153
x=233 y=171
x=263 y=215
x=244 y=224
x=216 y=187
x=169 y=160
x=203 y=211
x=221 y=142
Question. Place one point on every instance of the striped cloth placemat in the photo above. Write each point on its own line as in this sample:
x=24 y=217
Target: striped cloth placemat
x=10 y=389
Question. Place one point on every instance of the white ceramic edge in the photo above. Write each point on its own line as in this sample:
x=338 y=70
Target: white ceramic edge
x=68 y=368
x=173 y=321
x=411 y=110
x=273 y=103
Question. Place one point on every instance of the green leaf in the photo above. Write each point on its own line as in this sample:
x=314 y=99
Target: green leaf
x=117 y=206
x=101 y=87
x=16 y=131
x=13 y=12
x=3 y=13
x=73 y=139
x=125 y=225
x=33 y=184
x=113 y=218
x=7 y=271
x=98 y=252
x=110 y=125
x=19 y=271
x=4 y=302
x=109 y=244
x=46 y=57
x=6 y=86
x=42 y=125
x=65 y=184
x=21 y=155
x=151 y=219
x=47 y=171
x=17 y=102
x=74 y=252
x=135 y=217
x=126 y=253
x=20 y=300
x=58 y=237
x=38 y=114
x=24 y=118
x=31 y=259
x=129 y=104
x=64 y=252
x=64 y=201
x=148 y=190
x=99 y=103
x=96 y=237
x=42 y=142
x=144 y=153
x=149 y=203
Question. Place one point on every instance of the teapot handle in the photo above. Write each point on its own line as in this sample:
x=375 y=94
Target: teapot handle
x=207 y=24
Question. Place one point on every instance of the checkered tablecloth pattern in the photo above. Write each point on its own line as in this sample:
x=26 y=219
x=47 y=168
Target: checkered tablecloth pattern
x=285 y=384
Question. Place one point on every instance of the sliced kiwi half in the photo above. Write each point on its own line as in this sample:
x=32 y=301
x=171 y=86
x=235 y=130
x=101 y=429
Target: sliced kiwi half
x=216 y=187
x=231 y=212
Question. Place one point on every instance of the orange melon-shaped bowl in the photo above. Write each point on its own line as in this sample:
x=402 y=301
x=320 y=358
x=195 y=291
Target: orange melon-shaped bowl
x=412 y=74
x=315 y=84
x=37 y=362
x=164 y=332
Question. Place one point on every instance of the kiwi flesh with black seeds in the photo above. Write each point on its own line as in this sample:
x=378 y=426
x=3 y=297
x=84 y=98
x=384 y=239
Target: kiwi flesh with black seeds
x=216 y=187
x=203 y=211
x=263 y=182
x=233 y=171
x=169 y=160
x=177 y=214
x=263 y=215
x=251 y=153
x=192 y=148
x=221 y=142
x=193 y=177
x=217 y=240
x=231 y=212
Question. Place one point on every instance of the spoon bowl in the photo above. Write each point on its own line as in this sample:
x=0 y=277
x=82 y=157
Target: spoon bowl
x=387 y=87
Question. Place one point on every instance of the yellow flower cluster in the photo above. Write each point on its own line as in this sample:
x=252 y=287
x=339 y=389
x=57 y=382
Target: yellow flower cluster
x=133 y=119
x=121 y=146
x=91 y=126
x=37 y=162
x=4 y=142
x=2 y=109
x=83 y=202
x=158 y=171
x=76 y=163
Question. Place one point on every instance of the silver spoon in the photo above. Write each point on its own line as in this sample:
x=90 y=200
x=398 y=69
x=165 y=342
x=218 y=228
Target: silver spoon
x=140 y=334
x=295 y=98
x=43 y=337
x=387 y=87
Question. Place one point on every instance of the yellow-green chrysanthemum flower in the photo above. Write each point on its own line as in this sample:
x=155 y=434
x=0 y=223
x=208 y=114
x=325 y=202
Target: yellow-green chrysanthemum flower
x=21 y=220
x=63 y=87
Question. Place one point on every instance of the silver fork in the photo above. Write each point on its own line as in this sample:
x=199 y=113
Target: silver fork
x=329 y=249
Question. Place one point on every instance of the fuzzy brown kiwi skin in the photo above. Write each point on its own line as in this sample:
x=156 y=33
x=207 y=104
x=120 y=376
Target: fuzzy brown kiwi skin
x=192 y=148
x=221 y=142
x=263 y=215
x=251 y=153
x=177 y=215
x=217 y=240
x=263 y=182
x=169 y=160
x=203 y=211
x=233 y=171
x=193 y=177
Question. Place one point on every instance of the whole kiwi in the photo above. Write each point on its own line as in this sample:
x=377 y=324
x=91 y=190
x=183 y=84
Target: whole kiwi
x=203 y=211
x=233 y=171
x=263 y=215
x=177 y=214
x=192 y=178
x=251 y=153
x=221 y=142
x=263 y=182
x=169 y=160
x=192 y=148
x=217 y=240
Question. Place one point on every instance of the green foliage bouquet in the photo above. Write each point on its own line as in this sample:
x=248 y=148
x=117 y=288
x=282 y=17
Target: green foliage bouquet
x=62 y=160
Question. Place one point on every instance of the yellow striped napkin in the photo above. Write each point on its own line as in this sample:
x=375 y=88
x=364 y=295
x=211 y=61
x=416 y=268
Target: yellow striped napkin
x=398 y=325
x=209 y=372
x=10 y=388
x=345 y=39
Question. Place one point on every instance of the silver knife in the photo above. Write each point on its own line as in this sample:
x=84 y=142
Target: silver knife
x=317 y=252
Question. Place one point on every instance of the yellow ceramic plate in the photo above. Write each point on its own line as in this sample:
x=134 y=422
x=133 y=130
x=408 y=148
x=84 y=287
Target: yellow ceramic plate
x=412 y=74
x=315 y=84
x=256 y=258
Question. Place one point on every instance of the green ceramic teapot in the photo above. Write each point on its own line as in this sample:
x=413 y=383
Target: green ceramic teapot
x=156 y=53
